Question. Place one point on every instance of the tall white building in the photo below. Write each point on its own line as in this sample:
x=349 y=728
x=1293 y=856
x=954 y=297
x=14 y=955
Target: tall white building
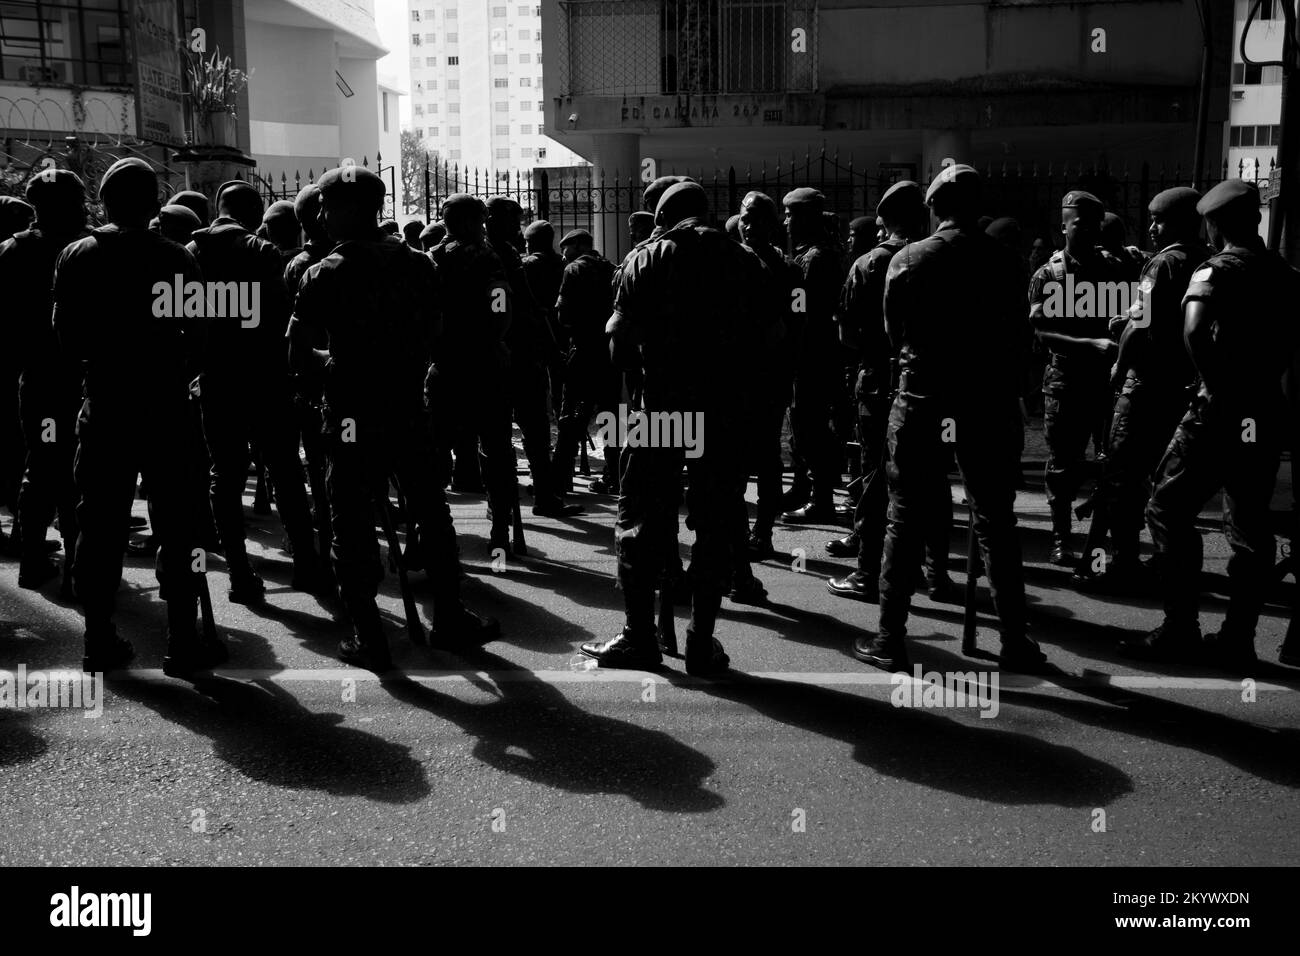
x=1255 y=110
x=476 y=84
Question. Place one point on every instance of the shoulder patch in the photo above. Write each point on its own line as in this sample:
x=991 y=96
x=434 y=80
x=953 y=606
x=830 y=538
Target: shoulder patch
x=1147 y=284
x=1203 y=274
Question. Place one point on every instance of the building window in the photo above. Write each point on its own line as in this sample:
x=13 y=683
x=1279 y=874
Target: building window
x=453 y=132
x=526 y=58
x=539 y=58
x=433 y=84
x=537 y=35
x=453 y=107
x=1244 y=74
x=541 y=152
x=1254 y=136
x=431 y=38
x=525 y=81
x=82 y=44
x=525 y=130
x=523 y=12
x=526 y=152
x=384 y=99
x=429 y=15
x=430 y=61
x=498 y=11
x=502 y=107
x=451 y=14
x=433 y=107
x=419 y=132
x=415 y=16
x=453 y=61
x=415 y=39
x=541 y=131
x=502 y=130
x=453 y=37
x=453 y=84
x=523 y=34
x=500 y=59
x=417 y=109
x=503 y=152
x=500 y=82
x=541 y=106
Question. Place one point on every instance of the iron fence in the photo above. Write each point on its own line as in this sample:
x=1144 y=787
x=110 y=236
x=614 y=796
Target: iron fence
x=588 y=198
x=20 y=160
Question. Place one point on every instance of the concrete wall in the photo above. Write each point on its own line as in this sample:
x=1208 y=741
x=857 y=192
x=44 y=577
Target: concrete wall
x=293 y=100
x=359 y=113
x=51 y=109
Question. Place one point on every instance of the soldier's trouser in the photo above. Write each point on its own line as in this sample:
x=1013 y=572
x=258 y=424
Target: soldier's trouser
x=484 y=415
x=50 y=433
x=812 y=439
x=870 y=514
x=1208 y=454
x=1072 y=417
x=590 y=387
x=12 y=452
x=765 y=452
x=988 y=437
x=115 y=446
x=529 y=384
x=647 y=511
x=357 y=477
x=308 y=421
x=232 y=418
x=1142 y=425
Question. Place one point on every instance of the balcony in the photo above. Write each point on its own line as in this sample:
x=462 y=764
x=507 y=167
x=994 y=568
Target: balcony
x=689 y=47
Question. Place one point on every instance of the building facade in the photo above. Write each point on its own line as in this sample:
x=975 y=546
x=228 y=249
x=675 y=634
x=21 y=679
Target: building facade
x=719 y=83
x=67 y=69
x=1255 y=104
x=476 y=84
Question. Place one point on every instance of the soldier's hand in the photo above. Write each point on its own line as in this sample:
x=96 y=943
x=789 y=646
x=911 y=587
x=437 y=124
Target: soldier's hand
x=1105 y=345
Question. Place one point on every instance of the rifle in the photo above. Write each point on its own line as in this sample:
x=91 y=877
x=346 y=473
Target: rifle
x=414 y=629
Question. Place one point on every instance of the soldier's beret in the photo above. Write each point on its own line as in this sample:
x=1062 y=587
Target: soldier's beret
x=1229 y=195
x=576 y=235
x=389 y=227
x=54 y=184
x=503 y=206
x=733 y=225
x=985 y=222
x=306 y=205
x=539 y=227
x=14 y=209
x=655 y=191
x=129 y=175
x=761 y=200
x=1003 y=227
x=805 y=196
x=433 y=233
x=352 y=181
x=412 y=230
x=279 y=210
x=903 y=196
x=460 y=204
x=689 y=196
x=957 y=179
x=192 y=200
x=862 y=222
x=1173 y=203
x=245 y=192
x=1084 y=202
x=175 y=219
x=648 y=218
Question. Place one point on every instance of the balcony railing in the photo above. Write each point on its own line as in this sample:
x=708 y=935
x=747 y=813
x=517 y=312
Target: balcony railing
x=703 y=47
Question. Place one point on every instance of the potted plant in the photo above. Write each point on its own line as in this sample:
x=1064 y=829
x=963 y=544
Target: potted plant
x=215 y=85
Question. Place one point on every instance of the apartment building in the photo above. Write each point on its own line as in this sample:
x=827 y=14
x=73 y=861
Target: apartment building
x=476 y=84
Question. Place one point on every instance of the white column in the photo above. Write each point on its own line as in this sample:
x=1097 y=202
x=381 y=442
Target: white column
x=616 y=159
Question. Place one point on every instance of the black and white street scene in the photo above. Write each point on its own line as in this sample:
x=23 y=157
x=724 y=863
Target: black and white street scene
x=650 y=433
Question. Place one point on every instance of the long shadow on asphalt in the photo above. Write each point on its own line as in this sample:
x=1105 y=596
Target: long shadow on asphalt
x=19 y=744
x=566 y=747
x=1266 y=752
x=265 y=734
x=925 y=748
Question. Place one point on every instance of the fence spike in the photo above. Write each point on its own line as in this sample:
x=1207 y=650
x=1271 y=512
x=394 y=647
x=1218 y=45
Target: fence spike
x=379 y=159
x=365 y=163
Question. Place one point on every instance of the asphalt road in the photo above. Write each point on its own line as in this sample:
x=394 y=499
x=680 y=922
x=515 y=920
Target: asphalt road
x=521 y=753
